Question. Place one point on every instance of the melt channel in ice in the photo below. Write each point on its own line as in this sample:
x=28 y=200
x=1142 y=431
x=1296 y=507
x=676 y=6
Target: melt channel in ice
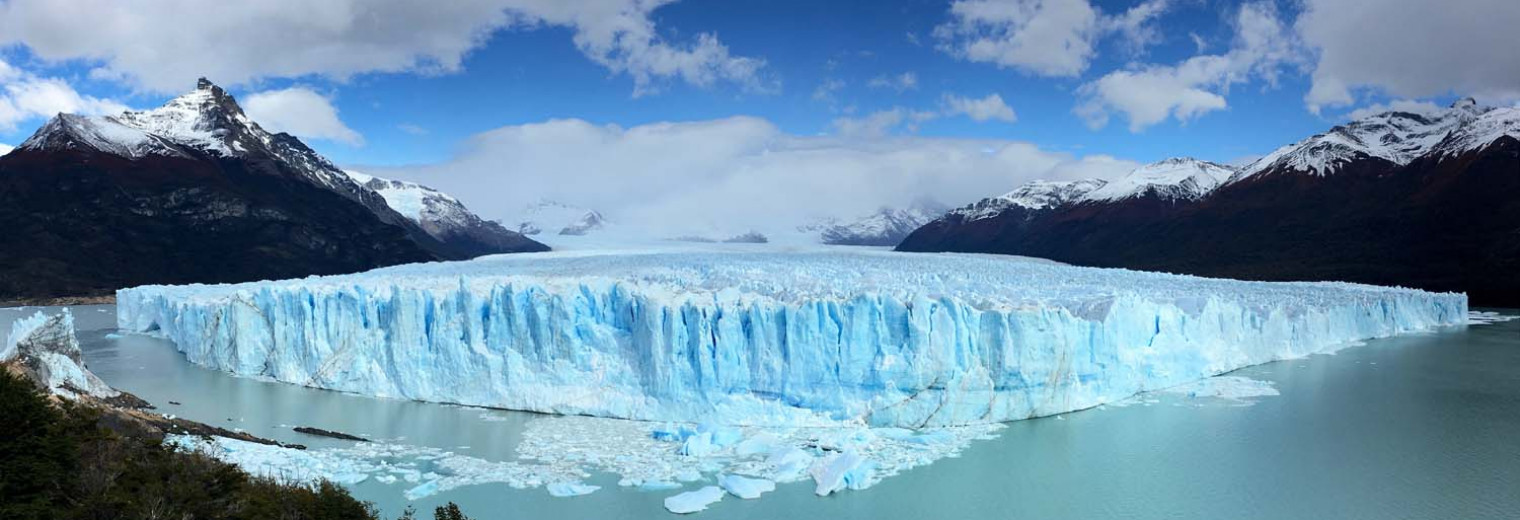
x=767 y=337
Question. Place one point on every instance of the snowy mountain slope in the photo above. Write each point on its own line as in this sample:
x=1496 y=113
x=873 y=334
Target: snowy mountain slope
x=441 y=215
x=841 y=335
x=555 y=218
x=5 y=148
x=105 y=134
x=1428 y=200
x=1175 y=179
x=193 y=191
x=1396 y=137
x=886 y=227
x=1034 y=195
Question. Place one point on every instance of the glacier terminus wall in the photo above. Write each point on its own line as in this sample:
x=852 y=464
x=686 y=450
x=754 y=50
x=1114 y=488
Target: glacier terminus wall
x=765 y=337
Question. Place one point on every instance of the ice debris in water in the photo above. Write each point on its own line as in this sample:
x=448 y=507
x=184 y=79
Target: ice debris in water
x=1488 y=317
x=558 y=453
x=744 y=338
x=1232 y=388
x=693 y=501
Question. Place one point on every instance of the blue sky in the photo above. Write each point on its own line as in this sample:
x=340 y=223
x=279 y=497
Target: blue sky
x=412 y=89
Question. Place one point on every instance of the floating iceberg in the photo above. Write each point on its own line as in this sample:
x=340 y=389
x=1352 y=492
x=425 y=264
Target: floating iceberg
x=745 y=487
x=767 y=337
x=693 y=501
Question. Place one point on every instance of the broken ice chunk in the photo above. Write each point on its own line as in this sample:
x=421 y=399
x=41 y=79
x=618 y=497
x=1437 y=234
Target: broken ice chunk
x=693 y=501
x=832 y=473
x=571 y=489
x=745 y=487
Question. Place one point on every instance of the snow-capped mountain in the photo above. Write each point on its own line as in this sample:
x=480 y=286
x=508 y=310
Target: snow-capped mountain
x=1429 y=200
x=441 y=215
x=554 y=218
x=886 y=227
x=1035 y=195
x=1397 y=137
x=1175 y=179
x=193 y=191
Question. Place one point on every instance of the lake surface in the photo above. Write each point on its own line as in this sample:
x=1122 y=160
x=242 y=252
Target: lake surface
x=1424 y=426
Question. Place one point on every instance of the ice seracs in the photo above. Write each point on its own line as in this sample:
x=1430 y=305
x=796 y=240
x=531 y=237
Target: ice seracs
x=45 y=346
x=752 y=337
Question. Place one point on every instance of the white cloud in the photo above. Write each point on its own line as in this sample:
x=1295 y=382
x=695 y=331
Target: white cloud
x=984 y=109
x=412 y=129
x=901 y=82
x=163 y=45
x=1412 y=48
x=882 y=123
x=1149 y=94
x=301 y=112
x=898 y=119
x=5 y=148
x=826 y=90
x=1136 y=27
x=1043 y=37
x=1401 y=105
x=732 y=174
x=25 y=96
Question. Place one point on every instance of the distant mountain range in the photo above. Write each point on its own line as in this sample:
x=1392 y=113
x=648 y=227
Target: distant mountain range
x=886 y=227
x=1428 y=200
x=195 y=191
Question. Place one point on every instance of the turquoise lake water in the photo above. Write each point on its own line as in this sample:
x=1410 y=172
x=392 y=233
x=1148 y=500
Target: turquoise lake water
x=1420 y=427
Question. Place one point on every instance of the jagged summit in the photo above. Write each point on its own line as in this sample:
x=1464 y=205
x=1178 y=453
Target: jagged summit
x=1394 y=136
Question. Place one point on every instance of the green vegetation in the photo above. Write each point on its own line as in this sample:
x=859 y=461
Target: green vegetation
x=57 y=461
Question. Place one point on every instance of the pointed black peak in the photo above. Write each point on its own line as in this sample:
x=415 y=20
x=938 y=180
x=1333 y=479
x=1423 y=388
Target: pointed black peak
x=204 y=84
x=1465 y=102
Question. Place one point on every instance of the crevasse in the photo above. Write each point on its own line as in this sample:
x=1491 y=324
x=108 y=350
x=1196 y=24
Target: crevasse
x=767 y=338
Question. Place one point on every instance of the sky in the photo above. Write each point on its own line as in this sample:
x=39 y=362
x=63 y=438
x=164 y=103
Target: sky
x=734 y=110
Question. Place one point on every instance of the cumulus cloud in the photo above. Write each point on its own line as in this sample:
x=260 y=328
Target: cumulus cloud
x=984 y=109
x=1042 y=37
x=1149 y=94
x=897 y=119
x=826 y=90
x=1401 y=105
x=25 y=96
x=1411 y=49
x=301 y=112
x=163 y=45
x=901 y=82
x=732 y=174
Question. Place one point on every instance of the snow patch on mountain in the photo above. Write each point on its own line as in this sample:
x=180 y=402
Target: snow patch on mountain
x=1181 y=178
x=5 y=148
x=415 y=201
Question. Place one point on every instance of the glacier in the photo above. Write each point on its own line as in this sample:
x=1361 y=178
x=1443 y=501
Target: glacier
x=746 y=335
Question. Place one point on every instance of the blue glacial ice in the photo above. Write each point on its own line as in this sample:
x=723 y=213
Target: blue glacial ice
x=766 y=337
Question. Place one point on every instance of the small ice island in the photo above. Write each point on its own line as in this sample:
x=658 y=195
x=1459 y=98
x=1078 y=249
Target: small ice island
x=763 y=337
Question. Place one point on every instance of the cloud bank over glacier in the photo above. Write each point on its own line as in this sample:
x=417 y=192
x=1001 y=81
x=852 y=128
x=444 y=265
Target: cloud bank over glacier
x=733 y=173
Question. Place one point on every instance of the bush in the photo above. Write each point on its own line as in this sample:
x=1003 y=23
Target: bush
x=57 y=462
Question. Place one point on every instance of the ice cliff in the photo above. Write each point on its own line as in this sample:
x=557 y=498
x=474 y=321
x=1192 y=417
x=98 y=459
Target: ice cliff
x=744 y=336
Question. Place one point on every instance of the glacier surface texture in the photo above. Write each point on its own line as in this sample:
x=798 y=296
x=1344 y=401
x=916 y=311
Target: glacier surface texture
x=766 y=337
